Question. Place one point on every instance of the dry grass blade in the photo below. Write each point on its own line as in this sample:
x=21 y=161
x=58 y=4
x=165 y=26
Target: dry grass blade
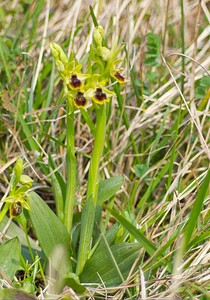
x=169 y=127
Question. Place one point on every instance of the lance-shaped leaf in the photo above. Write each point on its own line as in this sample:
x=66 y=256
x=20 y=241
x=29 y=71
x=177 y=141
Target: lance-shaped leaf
x=108 y=188
x=50 y=231
x=10 y=258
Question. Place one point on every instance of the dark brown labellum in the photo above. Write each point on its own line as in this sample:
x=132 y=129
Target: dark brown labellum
x=99 y=95
x=16 y=209
x=80 y=100
x=119 y=77
x=75 y=82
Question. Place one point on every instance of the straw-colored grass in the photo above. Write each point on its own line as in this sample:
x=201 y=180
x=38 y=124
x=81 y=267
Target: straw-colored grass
x=160 y=200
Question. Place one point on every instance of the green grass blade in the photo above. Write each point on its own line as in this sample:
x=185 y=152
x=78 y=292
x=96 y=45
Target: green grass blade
x=199 y=239
x=95 y=22
x=125 y=118
x=88 y=120
x=59 y=188
x=33 y=145
x=49 y=93
x=5 y=63
x=159 y=134
x=196 y=209
x=149 y=247
x=191 y=223
x=57 y=192
x=152 y=185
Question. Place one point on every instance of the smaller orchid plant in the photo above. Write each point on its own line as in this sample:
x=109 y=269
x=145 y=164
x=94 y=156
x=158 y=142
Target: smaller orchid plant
x=17 y=199
x=80 y=88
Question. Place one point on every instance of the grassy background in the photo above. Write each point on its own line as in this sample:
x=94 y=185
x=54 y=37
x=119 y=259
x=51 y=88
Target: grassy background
x=157 y=132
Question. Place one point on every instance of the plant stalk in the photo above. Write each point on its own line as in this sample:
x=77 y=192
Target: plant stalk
x=70 y=168
x=88 y=212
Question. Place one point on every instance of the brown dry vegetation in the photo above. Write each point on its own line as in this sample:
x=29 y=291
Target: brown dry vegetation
x=26 y=79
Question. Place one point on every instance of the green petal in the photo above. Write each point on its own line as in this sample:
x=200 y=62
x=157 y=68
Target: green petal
x=82 y=76
x=108 y=92
x=77 y=69
x=10 y=199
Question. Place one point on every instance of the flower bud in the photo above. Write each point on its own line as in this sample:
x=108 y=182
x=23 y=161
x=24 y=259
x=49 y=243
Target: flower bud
x=104 y=53
x=18 y=169
x=26 y=180
x=59 y=55
x=98 y=34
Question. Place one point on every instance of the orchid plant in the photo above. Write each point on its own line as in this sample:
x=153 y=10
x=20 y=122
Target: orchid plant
x=17 y=199
x=81 y=88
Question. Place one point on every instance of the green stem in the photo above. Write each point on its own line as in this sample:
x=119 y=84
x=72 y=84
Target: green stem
x=88 y=212
x=70 y=168
x=22 y=220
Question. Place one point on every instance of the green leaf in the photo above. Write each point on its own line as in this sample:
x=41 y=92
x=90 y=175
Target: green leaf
x=72 y=280
x=141 y=169
x=205 y=81
x=101 y=267
x=201 y=86
x=15 y=294
x=152 y=54
x=14 y=230
x=196 y=209
x=10 y=257
x=108 y=188
x=149 y=247
x=50 y=231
